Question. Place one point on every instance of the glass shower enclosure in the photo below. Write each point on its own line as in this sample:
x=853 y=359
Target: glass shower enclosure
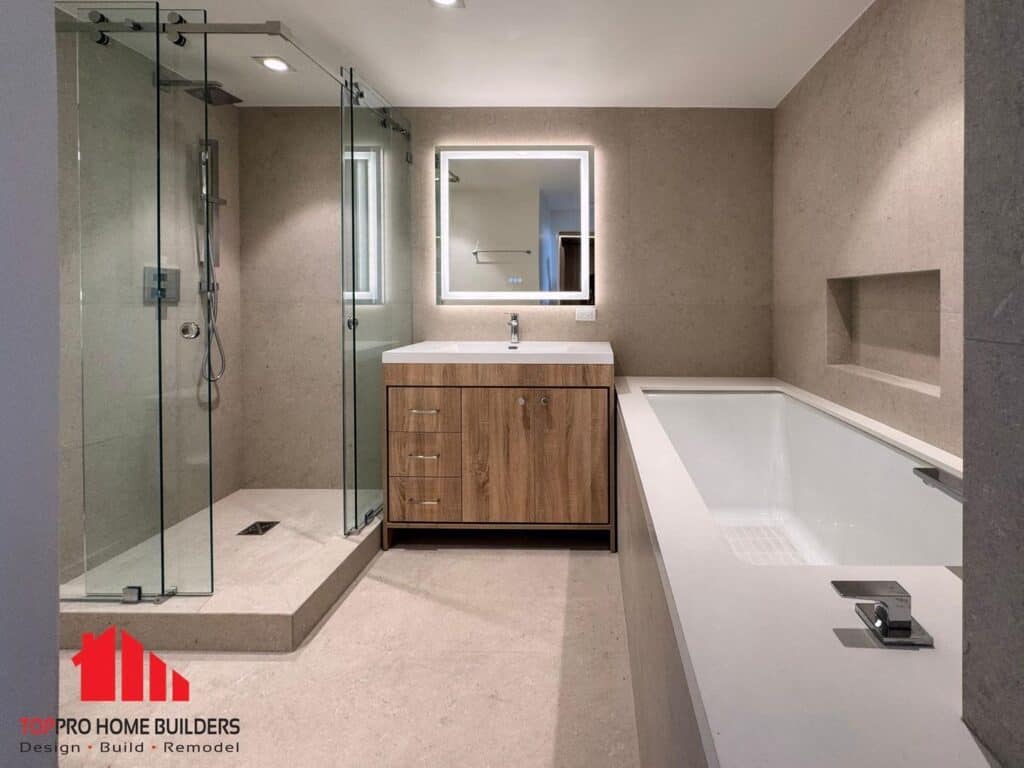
x=135 y=430
x=139 y=254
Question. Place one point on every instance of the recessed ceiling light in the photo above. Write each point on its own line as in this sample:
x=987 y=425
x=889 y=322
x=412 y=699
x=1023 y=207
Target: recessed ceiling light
x=275 y=63
x=449 y=3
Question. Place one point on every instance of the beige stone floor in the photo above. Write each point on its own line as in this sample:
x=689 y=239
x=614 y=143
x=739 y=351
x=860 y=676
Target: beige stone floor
x=438 y=656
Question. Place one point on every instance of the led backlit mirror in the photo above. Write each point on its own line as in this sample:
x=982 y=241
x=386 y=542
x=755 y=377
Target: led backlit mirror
x=514 y=226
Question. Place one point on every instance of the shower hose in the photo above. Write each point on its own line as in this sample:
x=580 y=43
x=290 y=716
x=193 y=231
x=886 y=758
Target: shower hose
x=211 y=324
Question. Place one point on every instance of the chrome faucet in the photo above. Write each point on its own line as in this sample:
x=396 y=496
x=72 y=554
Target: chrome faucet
x=513 y=327
x=888 y=614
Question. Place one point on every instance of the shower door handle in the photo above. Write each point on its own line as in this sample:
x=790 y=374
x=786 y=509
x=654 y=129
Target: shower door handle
x=189 y=330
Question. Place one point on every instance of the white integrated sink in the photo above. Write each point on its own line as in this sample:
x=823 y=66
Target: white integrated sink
x=535 y=352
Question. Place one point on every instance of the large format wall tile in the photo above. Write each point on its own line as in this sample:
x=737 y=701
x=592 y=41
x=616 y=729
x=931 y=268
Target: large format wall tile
x=868 y=180
x=291 y=307
x=682 y=206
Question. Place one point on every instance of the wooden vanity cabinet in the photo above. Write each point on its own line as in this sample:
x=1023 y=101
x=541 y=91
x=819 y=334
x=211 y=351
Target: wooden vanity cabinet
x=525 y=447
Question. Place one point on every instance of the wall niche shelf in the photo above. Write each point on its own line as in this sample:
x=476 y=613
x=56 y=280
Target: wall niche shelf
x=886 y=327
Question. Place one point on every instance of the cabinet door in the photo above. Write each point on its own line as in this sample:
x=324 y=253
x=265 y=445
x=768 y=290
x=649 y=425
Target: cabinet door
x=570 y=455
x=497 y=469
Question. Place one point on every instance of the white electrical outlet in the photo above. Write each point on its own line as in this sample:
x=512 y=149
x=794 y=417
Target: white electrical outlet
x=586 y=314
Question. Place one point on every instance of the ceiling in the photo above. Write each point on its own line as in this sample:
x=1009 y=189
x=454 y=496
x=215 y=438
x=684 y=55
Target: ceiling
x=599 y=53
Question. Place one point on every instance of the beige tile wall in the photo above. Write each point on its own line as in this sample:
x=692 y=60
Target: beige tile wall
x=683 y=219
x=869 y=180
x=887 y=323
x=291 y=312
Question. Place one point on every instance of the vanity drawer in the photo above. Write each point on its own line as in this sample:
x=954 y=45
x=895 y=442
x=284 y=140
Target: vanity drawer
x=424 y=409
x=425 y=454
x=424 y=500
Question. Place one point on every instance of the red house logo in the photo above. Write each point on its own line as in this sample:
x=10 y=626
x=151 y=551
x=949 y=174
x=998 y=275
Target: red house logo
x=97 y=661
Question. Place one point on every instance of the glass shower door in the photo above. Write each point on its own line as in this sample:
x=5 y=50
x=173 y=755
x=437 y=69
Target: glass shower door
x=110 y=227
x=134 y=410
x=186 y=240
x=377 y=288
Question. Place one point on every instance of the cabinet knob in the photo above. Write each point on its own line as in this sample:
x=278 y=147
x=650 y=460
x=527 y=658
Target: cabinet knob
x=522 y=401
x=544 y=400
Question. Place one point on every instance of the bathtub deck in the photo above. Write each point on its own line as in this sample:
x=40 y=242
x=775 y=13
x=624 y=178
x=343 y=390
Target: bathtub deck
x=781 y=671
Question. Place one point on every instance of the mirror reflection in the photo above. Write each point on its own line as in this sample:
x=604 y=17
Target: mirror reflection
x=362 y=166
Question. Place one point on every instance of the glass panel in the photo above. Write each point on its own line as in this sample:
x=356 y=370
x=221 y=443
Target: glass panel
x=187 y=319
x=281 y=299
x=378 y=175
x=109 y=237
x=348 y=288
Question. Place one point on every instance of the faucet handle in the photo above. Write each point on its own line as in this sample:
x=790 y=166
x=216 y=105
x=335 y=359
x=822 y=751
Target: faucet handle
x=888 y=612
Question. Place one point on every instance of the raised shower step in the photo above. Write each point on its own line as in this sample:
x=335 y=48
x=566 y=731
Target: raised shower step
x=271 y=590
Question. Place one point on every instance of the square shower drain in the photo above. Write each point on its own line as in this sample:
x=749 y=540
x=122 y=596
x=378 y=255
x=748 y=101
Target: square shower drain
x=258 y=528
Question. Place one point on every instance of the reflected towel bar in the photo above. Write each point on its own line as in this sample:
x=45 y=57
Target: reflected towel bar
x=478 y=251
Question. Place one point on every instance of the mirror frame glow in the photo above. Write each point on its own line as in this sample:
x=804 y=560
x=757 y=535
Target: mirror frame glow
x=581 y=155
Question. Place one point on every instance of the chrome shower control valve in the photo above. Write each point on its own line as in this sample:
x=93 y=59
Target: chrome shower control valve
x=189 y=330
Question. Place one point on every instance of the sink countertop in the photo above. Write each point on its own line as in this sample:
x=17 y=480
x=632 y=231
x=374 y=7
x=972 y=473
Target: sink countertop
x=525 y=352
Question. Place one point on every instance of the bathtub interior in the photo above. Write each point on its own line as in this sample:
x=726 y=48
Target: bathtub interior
x=791 y=485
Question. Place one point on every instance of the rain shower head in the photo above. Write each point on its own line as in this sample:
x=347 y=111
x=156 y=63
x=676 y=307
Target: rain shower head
x=214 y=95
x=211 y=92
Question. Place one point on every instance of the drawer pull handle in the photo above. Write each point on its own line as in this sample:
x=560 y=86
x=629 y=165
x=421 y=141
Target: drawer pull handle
x=435 y=457
x=425 y=412
x=425 y=503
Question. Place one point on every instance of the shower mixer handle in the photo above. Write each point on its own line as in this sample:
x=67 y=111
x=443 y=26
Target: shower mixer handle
x=189 y=330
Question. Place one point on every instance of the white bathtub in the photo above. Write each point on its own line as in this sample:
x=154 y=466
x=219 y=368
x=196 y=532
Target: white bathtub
x=736 y=665
x=791 y=485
